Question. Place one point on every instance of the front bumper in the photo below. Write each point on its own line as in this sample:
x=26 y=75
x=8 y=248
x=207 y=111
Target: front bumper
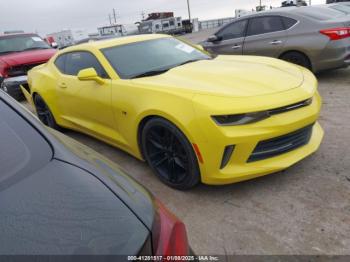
x=246 y=138
x=12 y=85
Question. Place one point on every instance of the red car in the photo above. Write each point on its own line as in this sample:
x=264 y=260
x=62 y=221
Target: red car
x=18 y=54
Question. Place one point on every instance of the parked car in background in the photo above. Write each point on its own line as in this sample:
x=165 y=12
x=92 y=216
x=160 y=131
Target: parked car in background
x=194 y=118
x=59 y=197
x=18 y=54
x=337 y=1
x=342 y=7
x=317 y=38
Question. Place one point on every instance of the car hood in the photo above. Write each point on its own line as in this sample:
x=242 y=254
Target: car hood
x=28 y=57
x=131 y=193
x=238 y=76
x=63 y=210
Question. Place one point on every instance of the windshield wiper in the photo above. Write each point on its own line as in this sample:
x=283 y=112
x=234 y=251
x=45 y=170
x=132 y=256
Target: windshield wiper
x=193 y=60
x=151 y=73
x=34 y=48
x=7 y=52
x=189 y=61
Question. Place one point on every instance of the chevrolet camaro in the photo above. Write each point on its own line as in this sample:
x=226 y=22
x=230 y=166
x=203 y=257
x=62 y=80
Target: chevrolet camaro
x=192 y=116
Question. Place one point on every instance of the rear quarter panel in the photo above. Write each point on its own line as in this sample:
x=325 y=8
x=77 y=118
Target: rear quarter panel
x=305 y=37
x=42 y=80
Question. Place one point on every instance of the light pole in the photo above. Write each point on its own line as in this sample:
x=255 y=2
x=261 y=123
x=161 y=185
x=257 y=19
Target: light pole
x=189 y=10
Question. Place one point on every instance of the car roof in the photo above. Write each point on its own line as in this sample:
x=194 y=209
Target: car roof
x=304 y=11
x=115 y=42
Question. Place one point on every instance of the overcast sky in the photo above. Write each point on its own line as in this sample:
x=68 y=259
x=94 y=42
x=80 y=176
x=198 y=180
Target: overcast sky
x=47 y=16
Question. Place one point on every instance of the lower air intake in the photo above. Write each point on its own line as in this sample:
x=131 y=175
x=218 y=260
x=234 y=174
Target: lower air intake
x=280 y=145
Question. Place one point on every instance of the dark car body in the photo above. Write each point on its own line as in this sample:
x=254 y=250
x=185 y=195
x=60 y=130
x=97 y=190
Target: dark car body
x=312 y=36
x=18 y=57
x=59 y=197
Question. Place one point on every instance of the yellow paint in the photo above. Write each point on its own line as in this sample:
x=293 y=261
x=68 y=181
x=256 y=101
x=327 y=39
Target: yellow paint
x=112 y=110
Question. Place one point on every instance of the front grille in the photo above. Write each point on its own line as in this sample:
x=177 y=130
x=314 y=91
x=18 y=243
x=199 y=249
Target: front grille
x=280 y=145
x=21 y=70
x=290 y=107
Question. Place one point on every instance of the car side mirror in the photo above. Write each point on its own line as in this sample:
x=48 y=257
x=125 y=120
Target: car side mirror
x=214 y=38
x=90 y=74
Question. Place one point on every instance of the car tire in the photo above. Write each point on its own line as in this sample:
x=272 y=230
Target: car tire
x=44 y=113
x=297 y=58
x=170 y=154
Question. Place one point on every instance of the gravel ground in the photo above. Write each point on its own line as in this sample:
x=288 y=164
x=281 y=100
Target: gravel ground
x=303 y=210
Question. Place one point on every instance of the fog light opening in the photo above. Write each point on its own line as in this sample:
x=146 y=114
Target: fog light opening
x=227 y=156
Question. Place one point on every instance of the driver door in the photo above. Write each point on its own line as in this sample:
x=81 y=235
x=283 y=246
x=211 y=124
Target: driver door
x=230 y=39
x=86 y=104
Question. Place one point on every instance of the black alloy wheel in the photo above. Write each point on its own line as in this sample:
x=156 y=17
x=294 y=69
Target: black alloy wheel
x=169 y=154
x=44 y=113
x=298 y=59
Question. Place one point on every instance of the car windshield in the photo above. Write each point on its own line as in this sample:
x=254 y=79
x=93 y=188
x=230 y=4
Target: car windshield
x=151 y=57
x=19 y=43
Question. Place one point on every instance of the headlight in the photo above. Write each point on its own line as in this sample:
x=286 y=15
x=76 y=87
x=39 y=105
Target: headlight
x=241 y=119
x=16 y=71
x=3 y=87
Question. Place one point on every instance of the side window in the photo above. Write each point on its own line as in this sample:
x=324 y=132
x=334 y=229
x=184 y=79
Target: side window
x=60 y=63
x=288 y=22
x=234 y=30
x=77 y=61
x=263 y=25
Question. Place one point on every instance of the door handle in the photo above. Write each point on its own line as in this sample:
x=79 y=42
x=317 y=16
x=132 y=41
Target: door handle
x=276 y=42
x=236 y=47
x=62 y=85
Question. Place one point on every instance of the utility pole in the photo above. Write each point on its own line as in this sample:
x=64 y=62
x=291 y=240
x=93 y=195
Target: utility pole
x=309 y=2
x=110 y=19
x=115 y=16
x=189 y=10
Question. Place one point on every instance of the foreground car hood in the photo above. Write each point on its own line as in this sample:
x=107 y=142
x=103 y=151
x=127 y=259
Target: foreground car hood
x=28 y=57
x=239 y=76
x=63 y=210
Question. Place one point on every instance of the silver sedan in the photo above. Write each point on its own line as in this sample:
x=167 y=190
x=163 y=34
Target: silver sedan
x=315 y=37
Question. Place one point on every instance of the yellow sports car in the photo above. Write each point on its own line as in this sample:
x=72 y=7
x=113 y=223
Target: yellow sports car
x=193 y=117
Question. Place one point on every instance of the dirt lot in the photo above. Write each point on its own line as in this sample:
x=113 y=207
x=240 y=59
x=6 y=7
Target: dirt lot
x=303 y=210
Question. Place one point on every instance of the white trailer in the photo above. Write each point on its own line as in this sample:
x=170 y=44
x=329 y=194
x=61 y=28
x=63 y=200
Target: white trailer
x=169 y=25
x=67 y=37
x=112 y=30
